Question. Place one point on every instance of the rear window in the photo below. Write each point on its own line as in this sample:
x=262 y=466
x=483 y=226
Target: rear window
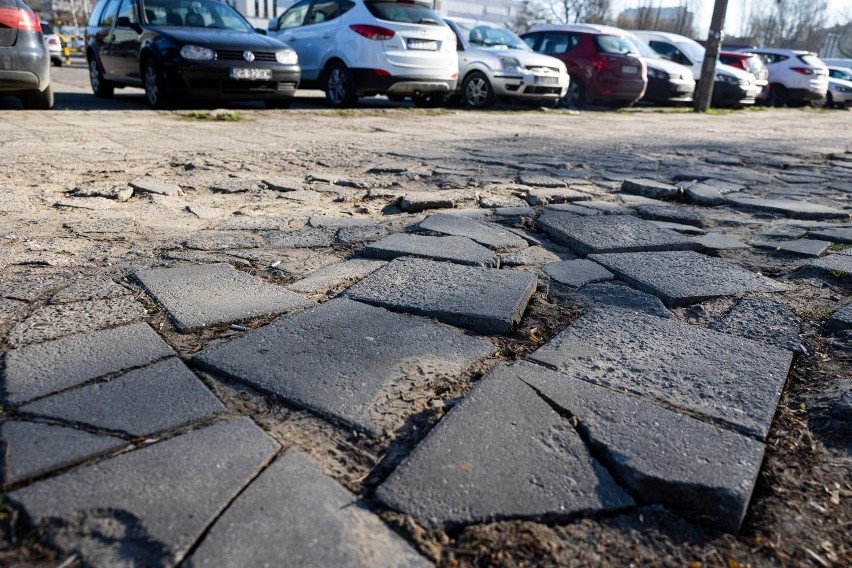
x=613 y=44
x=811 y=60
x=755 y=64
x=405 y=13
x=46 y=28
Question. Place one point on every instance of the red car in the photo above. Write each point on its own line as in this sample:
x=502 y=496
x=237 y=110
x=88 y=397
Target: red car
x=603 y=66
x=752 y=63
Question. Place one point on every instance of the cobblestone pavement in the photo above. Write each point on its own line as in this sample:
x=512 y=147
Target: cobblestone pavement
x=408 y=338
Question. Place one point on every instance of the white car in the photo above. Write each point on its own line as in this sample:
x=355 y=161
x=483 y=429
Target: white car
x=54 y=44
x=839 y=92
x=494 y=63
x=358 y=48
x=795 y=77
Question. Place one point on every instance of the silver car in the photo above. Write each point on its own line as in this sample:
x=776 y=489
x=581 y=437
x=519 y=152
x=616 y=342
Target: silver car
x=494 y=63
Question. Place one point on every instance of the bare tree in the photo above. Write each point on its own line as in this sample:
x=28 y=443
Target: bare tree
x=569 y=11
x=791 y=24
x=651 y=15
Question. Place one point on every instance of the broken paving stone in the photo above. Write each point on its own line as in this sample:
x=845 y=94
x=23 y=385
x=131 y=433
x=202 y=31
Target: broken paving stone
x=803 y=247
x=337 y=222
x=686 y=277
x=615 y=295
x=34 y=448
x=254 y=223
x=10 y=309
x=842 y=409
x=156 y=187
x=58 y=320
x=233 y=185
x=513 y=214
x=416 y=202
x=784 y=232
x=284 y=183
x=606 y=207
x=336 y=275
x=841 y=320
x=88 y=203
x=543 y=196
x=302 y=196
x=294 y=515
x=762 y=319
x=153 y=399
x=360 y=235
x=198 y=296
x=662 y=457
x=308 y=237
x=842 y=235
x=149 y=506
x=487 y=234
x=482 y=299
x=610 y=233
x=670 y=214
x=678 y=228
x=501 y=453
x=573 y=209
x=532 y=256
x=704 y=194
x=41 y=369
x=834 y=263
x=218 y=240
x=460 y=250
x=540 y=180
x=715 y=241
x=344 y=359
x=205 y=213
x=649 y=188
x=496 y=202
x=109 y=190
x=102 y=225
x=577 y=273
x=727 y=379
x=787 y=207
x=32 y=284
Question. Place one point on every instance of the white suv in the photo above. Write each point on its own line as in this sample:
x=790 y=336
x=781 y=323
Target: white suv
x=354 y=48
x=795 y=77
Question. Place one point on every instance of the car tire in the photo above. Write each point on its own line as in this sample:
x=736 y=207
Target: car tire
x=829 y=100
x=154 y=85
x=428 y=101
x=57 y=62
x=777 y=96
x=477 y=92
x=576 y=95
x=339 y=86
x=279 y=103
x=38 y=100
x=100 y=86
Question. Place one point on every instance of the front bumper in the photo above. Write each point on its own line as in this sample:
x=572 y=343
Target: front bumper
x=368 y=82
x=211 y=80
x=730 y=94
x=530 y=86
x=668 y=91
x=805 y=95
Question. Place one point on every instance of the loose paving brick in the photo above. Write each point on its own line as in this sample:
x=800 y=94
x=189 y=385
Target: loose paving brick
x=700 y=470
x=233 y=185
x=610 y=233
x=577 y=273
x=532 y=256
x=249 y=223
x=681 y=278
x=31 y=284
x=842 y=235
x=460 y=250
x=336 y=275
x=841 y=320
x=606 y=207
x=139 y=403
x=802 y=247
x=704 y=194
x=202 y=295
x=360 y=235
x=37 y=370
x=542 y=196
x=294 y=515
x=620 y=296
x=715 y=242
x=678 y=228
x=416 y=202
x=308 y=237
x=95 y=288
x=513 y=214
x=501 y=453
x=834 y=263
x=540 y=180
x=103 y=226
x=649 y=188
x=786 y=207
x=487 y=234
x=337 y=222
x=482 y=299
x=339 y=358
x=762 y=319
x=161 y=497
x=217 y=240
x=156 y=187
x=34 y=448
x=669 y=213
x=726 y=379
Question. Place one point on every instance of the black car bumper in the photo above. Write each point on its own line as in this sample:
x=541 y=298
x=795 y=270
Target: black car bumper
x=25 y=66
x=368 y=83
x=728 y=94
x=214 y=82
x=667 y=91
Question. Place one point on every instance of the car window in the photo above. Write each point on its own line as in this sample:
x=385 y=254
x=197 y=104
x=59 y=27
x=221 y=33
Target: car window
x=323 y=11
x=490 y=36
x=46 y=28
x=811 y=60
x=345 y=6
x=613 y=44
x=406 y=13
x=127 y=9
x=295 y=16
x=666 y=50
x=641 y=47
x=531 y=39
x=108 y=17
x=96 y=12
x=194 y=14
x=558 y=42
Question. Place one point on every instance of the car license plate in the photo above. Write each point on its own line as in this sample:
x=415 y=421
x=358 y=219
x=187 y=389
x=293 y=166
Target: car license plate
x=629 y=69
x=547 y=80
x=251 y=74
x=423 y=44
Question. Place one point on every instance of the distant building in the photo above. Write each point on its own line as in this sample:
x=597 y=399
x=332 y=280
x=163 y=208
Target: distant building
x=495 y=11
x=675 y=19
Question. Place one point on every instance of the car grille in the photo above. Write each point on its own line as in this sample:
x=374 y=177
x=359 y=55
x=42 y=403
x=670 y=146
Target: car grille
x=237 y=55
x=543 y=90
x=236 y=87
x=540 y=69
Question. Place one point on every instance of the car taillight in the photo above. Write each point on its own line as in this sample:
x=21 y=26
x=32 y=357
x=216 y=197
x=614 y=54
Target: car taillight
x=19 y=20
x=601 y=63
x=377 y=33
x=53 y=41
x=802 y=70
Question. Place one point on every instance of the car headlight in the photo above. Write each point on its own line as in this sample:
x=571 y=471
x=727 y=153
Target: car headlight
x=841 y=89
x=286 y=57
x=197 y=53
x=657 y=74
x=729 y=79
x=510 y=64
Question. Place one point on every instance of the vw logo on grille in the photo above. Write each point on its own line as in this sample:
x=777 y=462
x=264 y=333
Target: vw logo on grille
x=248 y=56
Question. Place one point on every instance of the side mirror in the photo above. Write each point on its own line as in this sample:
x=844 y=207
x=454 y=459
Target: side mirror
x=261 y=31
x=273 y=25
x=124 y=22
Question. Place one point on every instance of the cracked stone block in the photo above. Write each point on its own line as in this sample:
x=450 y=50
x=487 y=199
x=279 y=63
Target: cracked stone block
x=841 y=235
x=336 y=275
x=762 y=319
x=500 y=201
x=343 y=359
x=202 y=295
x=678 y=228
x=259 y=223
x=416 y=202
x=501 y=453
x=10 y=309
x=107 y=225
x=513 y=214
x=54 y=321
x=45 y=368
x=649 y=188
x=541 y=180
x=834 y=263
x=802 y=247
x=32 y=284
x=111 y=190
x=86 y=203
x=96 y=288
x=487 y=234
x=615 y=295
x=532 y=256
x=360 y=235
x=338 y=222
x=149 y=506
x=715 y=241
x=308 y=237
x=704 y=195
x=153 y=399
x=545 y=196
x=205 y=213
x=482 y=299
x=284 y=184
x=841 y=319
x=460 y=250
x=681 y=278
x=730 y=380
x=294 y=515
x=610 y=233
x=606 y=207
x=670 y=214
x=786 y=207
x=216 y=240
x=233 y=185
x=577 y=273
x=662 y=457
x=573 y=209
x=156 y=187
x=34 y=448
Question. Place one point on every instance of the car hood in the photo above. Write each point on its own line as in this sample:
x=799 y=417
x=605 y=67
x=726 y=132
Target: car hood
x=669 y=67
x=524 y=57
x=222 y=39
x=738 y=73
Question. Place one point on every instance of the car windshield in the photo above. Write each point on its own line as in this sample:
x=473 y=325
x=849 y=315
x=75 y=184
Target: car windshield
x=755 y=64
x=811 y=60
x=692 y=50
x=403 y=12
x=490 y=36
x=641 y=47
x=194 y=14
x=613 y=44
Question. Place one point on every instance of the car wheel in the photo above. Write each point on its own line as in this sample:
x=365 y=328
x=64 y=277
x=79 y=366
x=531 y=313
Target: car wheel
x=155 y=88
x=279 y=103
x=575 y=97
x=829 y=100
x=427 y=101
x=777 y=96
x=477 y=91
x=100 y=86
x=339 y=86
x=38 y=100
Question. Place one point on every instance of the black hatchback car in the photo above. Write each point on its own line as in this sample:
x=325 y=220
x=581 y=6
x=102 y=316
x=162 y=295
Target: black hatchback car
x=24 y=60
x=186 y=48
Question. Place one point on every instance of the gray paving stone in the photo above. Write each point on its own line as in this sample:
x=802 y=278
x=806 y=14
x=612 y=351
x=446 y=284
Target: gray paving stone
x=482 y=299
x=201 y=295
x=337 y=222
x=544 y=196
x=157 y=187
x=762 y=319
x=218 y=240
x=205 y=213
x=606 y=207
x=294 y=515
x=649 y=188
x=834 y=263
x=359 y=235
x=235 y=185
x=842 y=409
x=460 y=250
x=610 y=233
x=112 y=190
x=487 y=234
x=577 y=273
x=731 y=380
x=669 y=213
x=513 y=214
x=10 y=309
x=147 y=507
x=336 y=275
x=252 y=223
x=678 y=228
x=532 y=256
x=501 y=453
x=95 y=288
x=842 y=235
x=33 y=449
x=422 y=201
x=498 y=201
x=284 y=183
x=703 y=194
x=700 y=470
x=102 y=225
x=685 y=277
x=619 y=296
x=54 y=321
x=540 y=180
x=37 y=370
x=715 y=241
x=139 y=403
x=31 y=284
x=309 y=237
x=841 y=319
x=784 y=231
x=802 y=247
x=342 y=358
x=787 y=207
